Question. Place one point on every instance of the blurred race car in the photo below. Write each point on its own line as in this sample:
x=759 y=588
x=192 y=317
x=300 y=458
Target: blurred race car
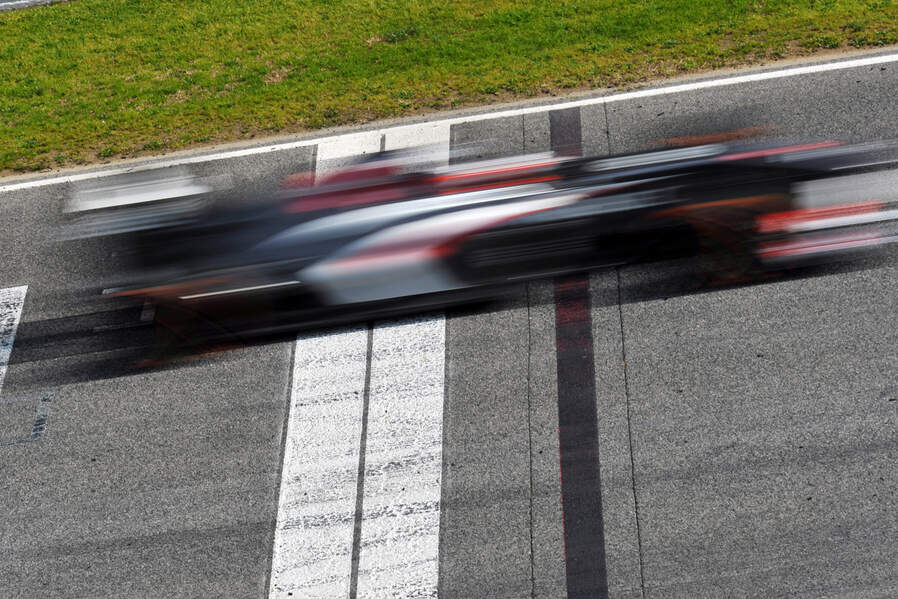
x=387 y=236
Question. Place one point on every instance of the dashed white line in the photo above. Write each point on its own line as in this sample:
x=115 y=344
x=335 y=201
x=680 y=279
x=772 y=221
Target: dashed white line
x=408 y=131
x=11 y=301
x=335 y=152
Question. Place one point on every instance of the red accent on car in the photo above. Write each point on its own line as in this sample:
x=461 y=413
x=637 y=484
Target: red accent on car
x=495 y=171
x=382 y=188
x=501 y=184
x=775 y=151
x=781 y=221
x=832 y=242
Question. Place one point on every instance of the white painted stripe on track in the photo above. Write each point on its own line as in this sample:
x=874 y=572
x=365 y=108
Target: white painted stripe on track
x=312 y=555
x=12 y=299
x=408 y=130
x=316 y=509
x=434 y=135
x=403 y=460
x=312 y=552
x=399 y=545
x=335 y=152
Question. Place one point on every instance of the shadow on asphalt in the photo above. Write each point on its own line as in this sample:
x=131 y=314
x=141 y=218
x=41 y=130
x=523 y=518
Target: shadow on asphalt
x=110 y=344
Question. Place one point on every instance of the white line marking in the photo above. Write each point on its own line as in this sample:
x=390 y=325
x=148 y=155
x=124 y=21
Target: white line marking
x=239 y=290
x=403 y=461
x=434 y=135
x=316 y=512
x=335 y=152
x=11 y=301
x=399 y=550
x=314 y=531
x=407 y=131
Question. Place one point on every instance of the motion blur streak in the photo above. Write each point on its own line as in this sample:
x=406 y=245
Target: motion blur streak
x=399 y=231
x=503 y=184
x=367 y=521
x=797 y=220
x=816 y=246
x=776 y=151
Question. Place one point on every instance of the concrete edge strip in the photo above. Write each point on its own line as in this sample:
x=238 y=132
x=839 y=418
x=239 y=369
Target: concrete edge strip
x=13 y=3
x=620 y=97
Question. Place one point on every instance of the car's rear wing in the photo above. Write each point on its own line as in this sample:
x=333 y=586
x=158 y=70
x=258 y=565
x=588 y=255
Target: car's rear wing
x=137 y=201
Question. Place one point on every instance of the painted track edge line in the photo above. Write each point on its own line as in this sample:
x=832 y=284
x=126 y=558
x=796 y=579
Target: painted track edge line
x=823 y=67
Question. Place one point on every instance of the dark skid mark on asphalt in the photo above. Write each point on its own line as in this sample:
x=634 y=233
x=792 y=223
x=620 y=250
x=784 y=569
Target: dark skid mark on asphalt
x=80 y=334
x=578 y=431
x=40 y=422
x=578 y=440
x=360 y=478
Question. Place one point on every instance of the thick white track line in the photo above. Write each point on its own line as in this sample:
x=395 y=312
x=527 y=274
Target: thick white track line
x=312 y=554
x=316 y=513
x=317 y=509
x=400 y=532
x=398 y=553
x=409 y=130
x=403 y=464
x=11 y=301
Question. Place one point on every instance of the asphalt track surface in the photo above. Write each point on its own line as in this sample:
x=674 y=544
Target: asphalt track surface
x=744 y=442
x=18 y=4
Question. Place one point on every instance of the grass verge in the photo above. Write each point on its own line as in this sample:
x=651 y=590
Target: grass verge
x=99 y=79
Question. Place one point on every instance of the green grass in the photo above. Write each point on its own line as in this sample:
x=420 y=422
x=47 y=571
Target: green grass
x=101 y=79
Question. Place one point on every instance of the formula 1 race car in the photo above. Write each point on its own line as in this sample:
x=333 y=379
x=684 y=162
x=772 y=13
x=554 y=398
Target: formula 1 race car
x=386 y=236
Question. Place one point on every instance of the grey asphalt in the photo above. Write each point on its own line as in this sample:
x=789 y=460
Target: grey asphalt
x=748 y=437
x=19 y=4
